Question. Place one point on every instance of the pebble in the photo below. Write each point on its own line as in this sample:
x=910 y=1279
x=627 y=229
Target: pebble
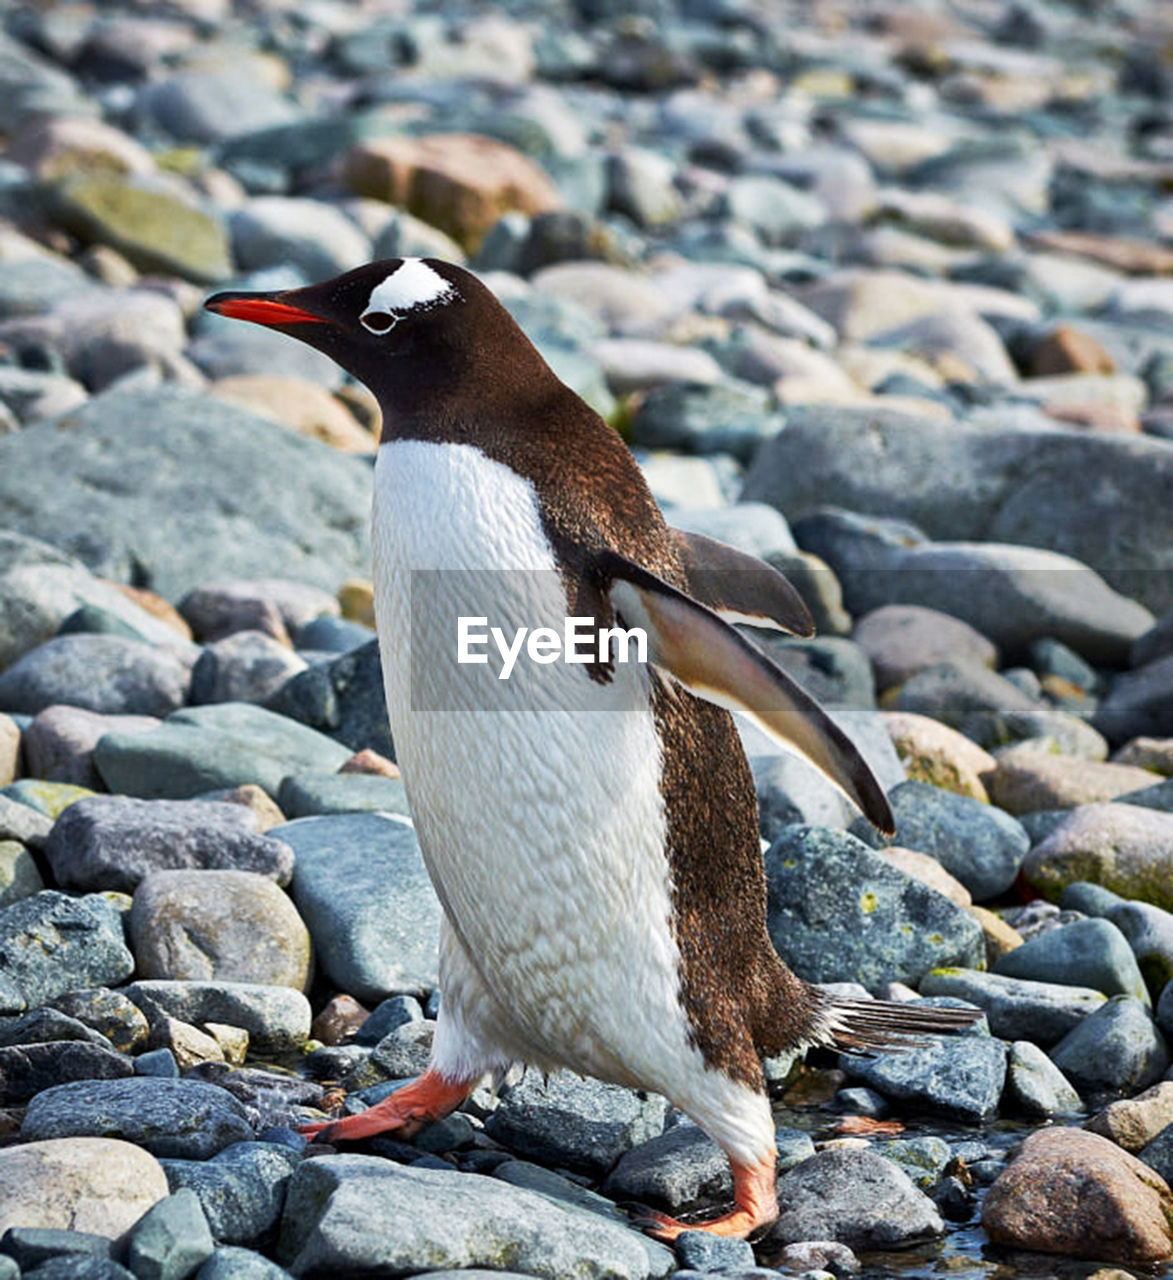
x=209 y=926
x=1115 y=1050
x=1149 y=931
x=59 y=744
x=856 y=1198
x=862 y=938
x=184 y=1119
x=361 y=888
x=29 y=1246
x=1132 y=1123
x=1084 y=953
x=1026 y=779
x=1035 y=1087
x=100 y=1185
x=678 y=1170
x=114 y=842
x=241 y=1188
x=705 y=1252
x=247 y=666
x=932 y=752
x=1123 y=847
x=276 y=1018
x=171 y=1239
x=901 y=639
x=305 y=794
x=1035 y=1203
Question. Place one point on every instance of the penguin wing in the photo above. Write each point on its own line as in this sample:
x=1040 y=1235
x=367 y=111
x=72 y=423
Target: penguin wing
x=688 y=641
x=740 y=587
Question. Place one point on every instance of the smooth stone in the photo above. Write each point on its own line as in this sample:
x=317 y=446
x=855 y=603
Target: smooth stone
x=305 y=794
x=114 y=841
x=838 y=912
x=31 y=394
x=28 y=1069
x=705 y=1252
x=856 y=1198
x=220 y=354
x=30 y=1246
x=315 y=237
x=1122 y=847
x=274 y=606
x=1006 y=486
x=388 y=1014
x=1037 y=1202
x=1084 y=953
x=962 y=1076
x=923 y=1159
x=1035 y=1086
x=277 y=1019
x=342 y=698
x=533 y=1177
x=241 y=1188
x=211 y=106
x=49 y=798
x=1089 y=899
x=230 y=1262
x=1026 y=779
x=332 y=635
x=1149 y=931
x=80 y=1267
x=636 y=364
x=51 y=944
x=97 y=1185
x=152 y=228
x=23 y=823
x=1017 y=1008
x=1138 y=702
x=640 y=184
x=111 y=675
x=901 y=639
x=222 y=745
x=247 y=666
x=241 y=496
x=212 y=926
x=678 y=1170
x=361 y=1214
x=934 y=753
x=361 y=887
x=406 y=1050
x=170 y=1240
x=1132 y=1123
x=627 y=304
x=59 y=744
x=19 y=877
x=108 y=1013
x=185 y=1119
x=1114 y=1051
x=979 y=845
x=577 y=1123
x=1157 y=796
x=832 y=669
x=48 y=1025
x=825 y=1256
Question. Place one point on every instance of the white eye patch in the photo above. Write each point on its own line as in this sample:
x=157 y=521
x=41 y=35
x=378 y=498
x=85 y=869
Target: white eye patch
x=378 y=322
x=410 y=286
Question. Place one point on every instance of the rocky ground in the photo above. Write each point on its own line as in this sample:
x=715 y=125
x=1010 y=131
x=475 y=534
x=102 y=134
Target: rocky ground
x=882 y=293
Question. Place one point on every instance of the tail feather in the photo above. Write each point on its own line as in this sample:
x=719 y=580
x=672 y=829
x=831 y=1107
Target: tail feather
x=878 y=1026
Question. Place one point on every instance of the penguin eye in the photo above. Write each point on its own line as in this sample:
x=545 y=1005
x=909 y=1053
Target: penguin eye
x=378 y=322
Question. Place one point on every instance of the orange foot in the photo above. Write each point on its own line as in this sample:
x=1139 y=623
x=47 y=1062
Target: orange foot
x=756 y=1206
x=404 y=1112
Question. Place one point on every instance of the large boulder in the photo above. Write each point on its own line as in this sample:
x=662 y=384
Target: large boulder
x=169 y=489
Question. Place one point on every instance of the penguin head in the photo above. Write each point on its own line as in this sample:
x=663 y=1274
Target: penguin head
x=401 y=325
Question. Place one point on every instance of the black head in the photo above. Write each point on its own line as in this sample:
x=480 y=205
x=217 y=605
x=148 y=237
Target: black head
x=417 y=331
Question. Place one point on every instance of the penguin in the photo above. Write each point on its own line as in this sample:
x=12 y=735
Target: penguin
x=590 y=827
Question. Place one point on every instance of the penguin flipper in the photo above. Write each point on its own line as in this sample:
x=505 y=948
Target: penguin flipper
x=710 y=659
x=740 y=587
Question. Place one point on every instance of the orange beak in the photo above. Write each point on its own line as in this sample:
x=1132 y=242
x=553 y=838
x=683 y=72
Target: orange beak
x=260 y=310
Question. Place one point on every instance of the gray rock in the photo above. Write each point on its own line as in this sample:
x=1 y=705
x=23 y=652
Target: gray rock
x=724 y=418
x=856 y=1198
x=679 y=1170
x=342 y=698
x=703 y=1251
x=19 y=877
x=1017 y=1008
x=839 y=912
x=923 y=1159
x=533 y=1177
x=277 y=1019
x=51 y=943
x=1149 y=931
x=640 y=184
x=22 y=823
x=108 y=1014
x=980 y=845
x=31 y=394
x=361 y=887
x=388 y=1014
x=1085 y=953
x=1116 y=1050
x=170 y=1240
x=405 y=1050
x=211 y=106
x=242 y=1189
x=1139 y=703
x=224 y=353
x=180 y=1118
x=218 y=925
x=113 y=842
x=27 y=1069
x=315 y=237
x=305 y=794
x=275 y=606
x=30 y=1246
x=1158 y=1154
x=1164 y=1014
x=45 y=1026
x=833 y=669
x=77 y=1266
x=108 y=674
x=232 y=1263
x=1035 y=1086
x=169 y=489
x=1090 y=899
x=901 y=639
x=1158 y=796
x=1023 y=487
x=31 y=286
x=219 y=746
x=961 y=1076
x=359 y=1214
x=332 y=635
x=574 y=1122
x=819 y=1255
x=247 y=666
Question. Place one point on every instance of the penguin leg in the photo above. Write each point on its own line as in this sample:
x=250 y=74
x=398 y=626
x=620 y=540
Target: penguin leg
x=429 y=1097
x=755 y=1206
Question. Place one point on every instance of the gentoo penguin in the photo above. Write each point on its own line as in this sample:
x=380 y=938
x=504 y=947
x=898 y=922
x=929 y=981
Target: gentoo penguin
x=590 y=827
